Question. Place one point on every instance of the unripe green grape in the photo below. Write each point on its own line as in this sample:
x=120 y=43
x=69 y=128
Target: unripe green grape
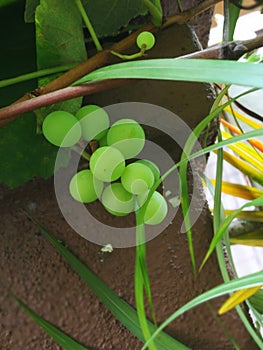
x=154 y=168
x=107 y=163
x=84 y=187
x=117 y=200
x=128 y=136
x=61 y=128
x=145 y=38
x=156 y=209
x=94 y=122
x=137 y=178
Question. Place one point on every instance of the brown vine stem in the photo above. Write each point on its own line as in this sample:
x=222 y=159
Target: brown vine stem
x=14 y=110
x=67 y=93
x=100 y=59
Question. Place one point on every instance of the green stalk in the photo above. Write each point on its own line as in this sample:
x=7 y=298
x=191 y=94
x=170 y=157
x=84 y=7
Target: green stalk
x=155 y=11
x=88 y=25
x=141 y=279
x=34 y=75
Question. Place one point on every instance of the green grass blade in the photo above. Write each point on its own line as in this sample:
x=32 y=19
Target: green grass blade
x=200 y=70
x=254 y=279
x=60 y=337
x=223 y=228
x=118 y=307
x=257 y=301
x=233 y=17
x=141 y=278
x=183 y=171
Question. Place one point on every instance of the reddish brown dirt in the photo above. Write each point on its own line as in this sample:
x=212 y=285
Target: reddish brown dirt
x=35 y=272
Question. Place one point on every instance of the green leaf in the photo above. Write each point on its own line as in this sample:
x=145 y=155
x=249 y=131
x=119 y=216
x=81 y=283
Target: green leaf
x=233 y=17
x=224 y=226
x=119 y=308
x=6 y=2
x=257 y=301
x=251 y=280
x=253 y=238
x=60 y=337
x=141 y=280
x=59 y=41
x=30 y=10
x=200 y=70
x=23 y=154
x=108 y=16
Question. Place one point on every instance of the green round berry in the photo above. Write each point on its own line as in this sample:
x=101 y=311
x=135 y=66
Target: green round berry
x=107 y=163
x=147 y=39
x=84 y=187
x=61 y=128
x=94 y=122
x=117 y=200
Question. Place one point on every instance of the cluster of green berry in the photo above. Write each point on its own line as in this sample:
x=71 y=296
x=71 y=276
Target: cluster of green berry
x=121 y=188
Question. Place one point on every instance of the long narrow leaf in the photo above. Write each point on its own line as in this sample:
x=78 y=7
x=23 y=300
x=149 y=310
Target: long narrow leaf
x=253 y=238
x=118 y=307
x=225 y=225
x=257 y=301
x=141 y=278
x=244 y=167
x=243 y=154
x=245 y=119
x=252 y=151
x=241 y=191
x=256 y=143
x=61 y=338
x=236 y=298
x=252 y=215
x=200 y=70
x=251 y=280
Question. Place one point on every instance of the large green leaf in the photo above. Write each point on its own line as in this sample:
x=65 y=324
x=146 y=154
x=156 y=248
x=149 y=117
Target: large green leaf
x=108 y=16
x=59 y=41
x=23 y=154
x=200 y=70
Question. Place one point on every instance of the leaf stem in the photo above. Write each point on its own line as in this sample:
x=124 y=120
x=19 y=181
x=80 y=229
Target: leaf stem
x=155 y=12
x=34 y=75
x=89 y=25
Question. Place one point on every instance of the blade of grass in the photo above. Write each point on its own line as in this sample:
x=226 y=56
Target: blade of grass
x=244 y=167
x=218 y=217
x=60 y=337
x=139 y=298
x=200 y=70
x=236 y=298
x=252 y=215
x=257 y=301
x=246 y=156
x=244 y=118
x=241 y=191
x=251 y=280
x=183 y=172
x=256 y=143
x=141 y=278
x=118 y=307
x=225 y=270
x=253 y=238
x=224 y=226
x=250 y=149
